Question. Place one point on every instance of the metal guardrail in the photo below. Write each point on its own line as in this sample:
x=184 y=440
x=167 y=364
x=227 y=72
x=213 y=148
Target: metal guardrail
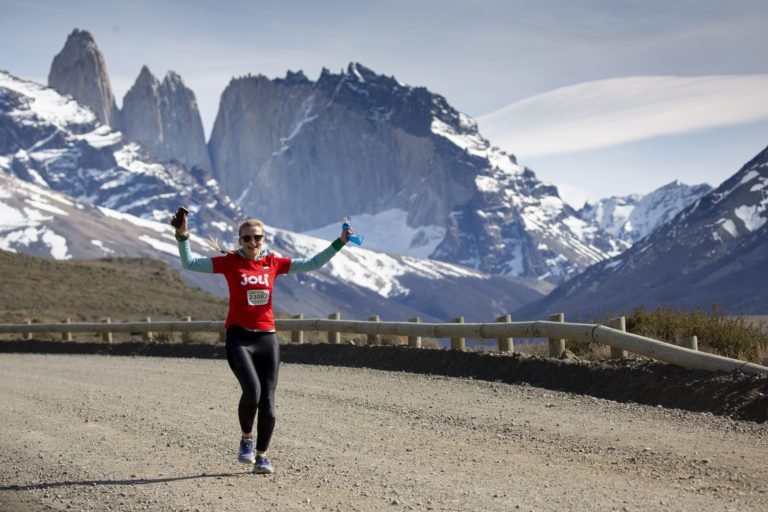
x=503 y=330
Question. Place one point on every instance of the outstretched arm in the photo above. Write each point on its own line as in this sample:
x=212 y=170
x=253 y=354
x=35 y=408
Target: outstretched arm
x=316 y=261
x=188 y=261
x=321 y=258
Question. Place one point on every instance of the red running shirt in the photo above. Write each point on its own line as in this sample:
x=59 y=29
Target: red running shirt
x=250 y=288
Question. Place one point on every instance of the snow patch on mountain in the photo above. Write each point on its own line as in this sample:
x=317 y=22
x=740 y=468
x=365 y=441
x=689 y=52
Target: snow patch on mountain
x=729 y=227
x=101 y=137
x=537 y=217
x=470 y=140
x=378 y=272
x=388 y=231
x=46 y=207
x=27 y=225
x=104 y=248
x=634 y=217
x=136 y=221
x=751 y=216
x=169 y=247
x=45 y=103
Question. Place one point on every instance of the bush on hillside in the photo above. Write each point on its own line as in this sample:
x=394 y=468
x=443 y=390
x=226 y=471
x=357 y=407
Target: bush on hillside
x=730 y=336
x=718 y=333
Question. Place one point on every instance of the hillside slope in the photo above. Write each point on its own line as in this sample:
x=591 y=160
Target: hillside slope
x=90 y=290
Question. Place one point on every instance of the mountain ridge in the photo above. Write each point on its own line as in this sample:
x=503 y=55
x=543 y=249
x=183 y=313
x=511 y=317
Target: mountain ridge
x=714 y=252
x=359 y=143
x=303 y=155
x=632 y=218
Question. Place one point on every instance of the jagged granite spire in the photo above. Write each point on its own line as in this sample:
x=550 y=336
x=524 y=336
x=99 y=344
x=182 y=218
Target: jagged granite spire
x=141 y=111
x=164 y=118
x=79 y=70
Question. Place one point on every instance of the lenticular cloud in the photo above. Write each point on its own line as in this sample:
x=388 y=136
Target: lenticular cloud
x=618 y=110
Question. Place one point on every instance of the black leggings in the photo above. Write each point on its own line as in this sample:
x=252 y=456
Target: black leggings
x=254 y=358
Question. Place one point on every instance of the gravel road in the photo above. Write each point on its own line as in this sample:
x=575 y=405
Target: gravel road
x=135 y=433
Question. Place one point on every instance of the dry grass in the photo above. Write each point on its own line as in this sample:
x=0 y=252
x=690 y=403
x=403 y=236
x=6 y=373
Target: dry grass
x=739 y=337
x=124 y=289
x=758 y=321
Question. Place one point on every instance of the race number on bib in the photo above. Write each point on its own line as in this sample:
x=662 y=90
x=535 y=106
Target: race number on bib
x=258 y=297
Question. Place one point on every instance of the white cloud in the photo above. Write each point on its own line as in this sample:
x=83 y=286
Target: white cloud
x=619 y=110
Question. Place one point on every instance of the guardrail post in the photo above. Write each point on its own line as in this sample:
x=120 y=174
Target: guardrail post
x=374 y=339
x=556 y=346
x=297 y=336
x=149 y=335
x=505 y=344
x=27 y=335
x=107 y=336
x=618 y=323
x=414 y=341
x=185 y=336
x=334 y=337
x=67 y=336
x=691 y=342
x=458 y=343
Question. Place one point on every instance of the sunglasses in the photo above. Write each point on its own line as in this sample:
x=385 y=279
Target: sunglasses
x=256 y=238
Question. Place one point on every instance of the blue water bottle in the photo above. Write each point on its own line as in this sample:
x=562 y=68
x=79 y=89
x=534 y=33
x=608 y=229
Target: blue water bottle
x=355 y=239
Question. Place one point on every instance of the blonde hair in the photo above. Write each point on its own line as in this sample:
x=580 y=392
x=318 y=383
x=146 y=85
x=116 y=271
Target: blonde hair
x=213 y=243
x=250 y=223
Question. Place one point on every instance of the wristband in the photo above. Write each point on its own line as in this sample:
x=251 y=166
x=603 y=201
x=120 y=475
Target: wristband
x=182 y=237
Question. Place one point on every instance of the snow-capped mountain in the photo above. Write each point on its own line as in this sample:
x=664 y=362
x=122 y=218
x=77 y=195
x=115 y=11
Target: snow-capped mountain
x=414 y=174
x=634 y=217
x=305 y=154
x=715 y=251
x=37 y=220
x=364 y=145
x=51 y=140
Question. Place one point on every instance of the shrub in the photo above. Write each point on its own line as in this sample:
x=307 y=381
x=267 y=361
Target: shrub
x=730 y=336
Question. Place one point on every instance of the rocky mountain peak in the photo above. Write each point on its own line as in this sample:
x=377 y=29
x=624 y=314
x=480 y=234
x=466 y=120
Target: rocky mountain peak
x=54 y=142
x=79 y=70
x=633 y=217
x=361 y=144
x=297 y=77
x=173 y=81
x=363 y=74
x=145 y=77
x=164 y=118
x=81 y=37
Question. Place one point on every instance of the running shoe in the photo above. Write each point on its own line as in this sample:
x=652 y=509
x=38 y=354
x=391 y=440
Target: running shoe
x=246 y=451
x=263 y=466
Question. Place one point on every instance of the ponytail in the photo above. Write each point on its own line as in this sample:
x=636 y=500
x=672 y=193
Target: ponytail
x=213 y=243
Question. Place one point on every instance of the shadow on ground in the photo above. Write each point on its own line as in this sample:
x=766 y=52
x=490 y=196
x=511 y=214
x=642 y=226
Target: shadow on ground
x=135 y=481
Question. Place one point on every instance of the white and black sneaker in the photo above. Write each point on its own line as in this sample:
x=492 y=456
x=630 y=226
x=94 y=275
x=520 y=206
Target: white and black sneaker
x=246 y=451
x=263 y=466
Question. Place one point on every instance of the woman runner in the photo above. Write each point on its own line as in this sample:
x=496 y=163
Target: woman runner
x=251 y=345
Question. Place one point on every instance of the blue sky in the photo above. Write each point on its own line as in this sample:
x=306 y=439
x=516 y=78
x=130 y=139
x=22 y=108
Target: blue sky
x=483 y=56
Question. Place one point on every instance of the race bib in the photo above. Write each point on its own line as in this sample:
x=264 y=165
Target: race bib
x=258 y=297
